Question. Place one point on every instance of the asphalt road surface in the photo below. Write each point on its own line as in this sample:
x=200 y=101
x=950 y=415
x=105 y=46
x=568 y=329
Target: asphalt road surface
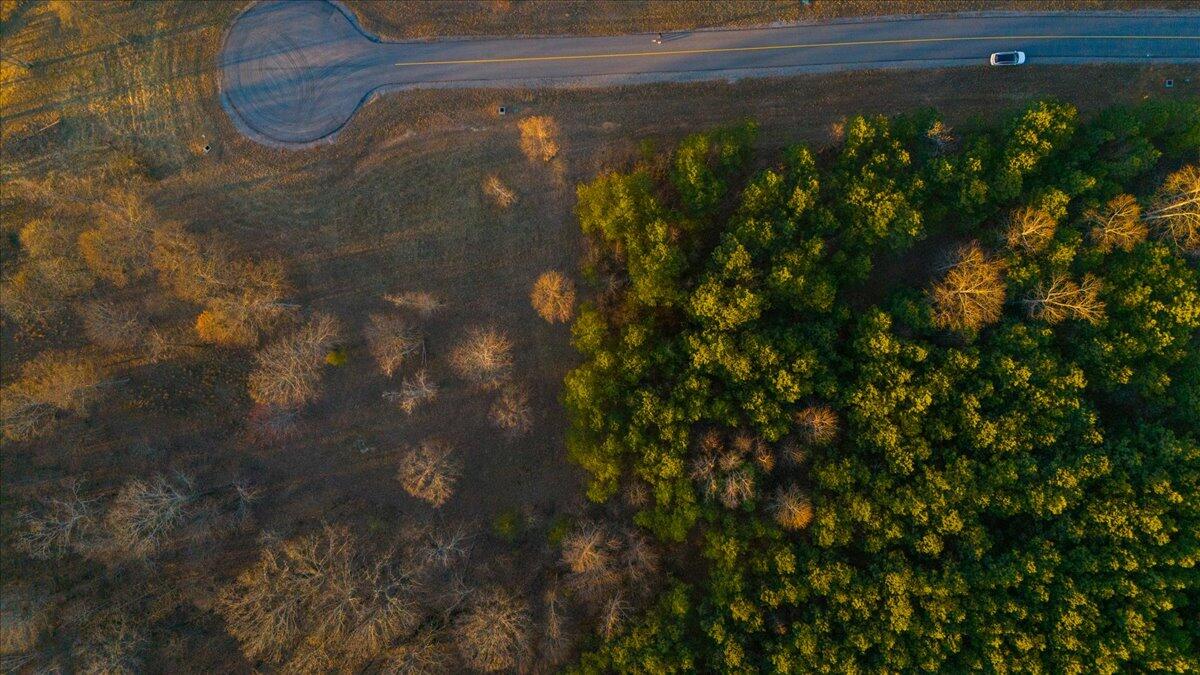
x=294 y=71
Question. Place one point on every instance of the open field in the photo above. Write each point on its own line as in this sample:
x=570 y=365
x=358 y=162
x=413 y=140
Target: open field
x=395 y=205
x=430 y=18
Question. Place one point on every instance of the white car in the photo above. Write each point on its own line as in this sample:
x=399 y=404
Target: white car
x=1008 y=58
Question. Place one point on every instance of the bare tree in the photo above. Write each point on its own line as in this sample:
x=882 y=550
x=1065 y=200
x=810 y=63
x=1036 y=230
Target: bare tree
x=816 y=425
x=59 y=525
x=737 y=488
x=972 y=293
x=110 y=641
x=115 y=327
x=493 y=632
x=191 y=267
x=511 y=410
x=721 y=470
x=539 y=138
x=613 y=614
x=589 y=547
x=287 y=372
x=52 y=265
x=1175 y=211
x=321 y=603
x=1118 y=226
x=791 y=508
x=446 y=547
x=118 y=246
x=553 y=296
x=49 y=383
x=1060 y=298
x=392 y=341
x=23 y=619
x=638 y=562
x=246 y=303
x=429 y=472
x=756 y=449
x=500 y=194
x=420 y=302
x=414 y=391
x=637 y=494
x=600 y=560
x=146 y=513
x=793 y=451
x=555 y=643
x=484 y=357
x=426 y=653
x=1030 y=230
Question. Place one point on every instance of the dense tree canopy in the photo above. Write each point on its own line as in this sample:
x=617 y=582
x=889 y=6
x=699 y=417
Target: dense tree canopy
x=880 y=475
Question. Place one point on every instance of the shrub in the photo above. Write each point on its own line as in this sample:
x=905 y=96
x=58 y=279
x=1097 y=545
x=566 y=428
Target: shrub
x=420 y=302
x=498 y=192
x=539 y=138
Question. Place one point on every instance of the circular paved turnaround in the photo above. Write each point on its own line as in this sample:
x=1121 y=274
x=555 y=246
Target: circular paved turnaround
x=284 y=70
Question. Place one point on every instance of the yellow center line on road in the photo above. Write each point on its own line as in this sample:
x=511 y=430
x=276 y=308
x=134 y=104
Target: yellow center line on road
x=857 y=43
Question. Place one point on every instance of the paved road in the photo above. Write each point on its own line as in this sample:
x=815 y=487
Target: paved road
x=294 y=71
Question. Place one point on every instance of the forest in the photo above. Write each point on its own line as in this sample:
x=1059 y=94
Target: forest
x=924 y=400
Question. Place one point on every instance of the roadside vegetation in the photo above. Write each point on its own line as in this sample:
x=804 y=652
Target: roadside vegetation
x=926 y=400
x=426 y=18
